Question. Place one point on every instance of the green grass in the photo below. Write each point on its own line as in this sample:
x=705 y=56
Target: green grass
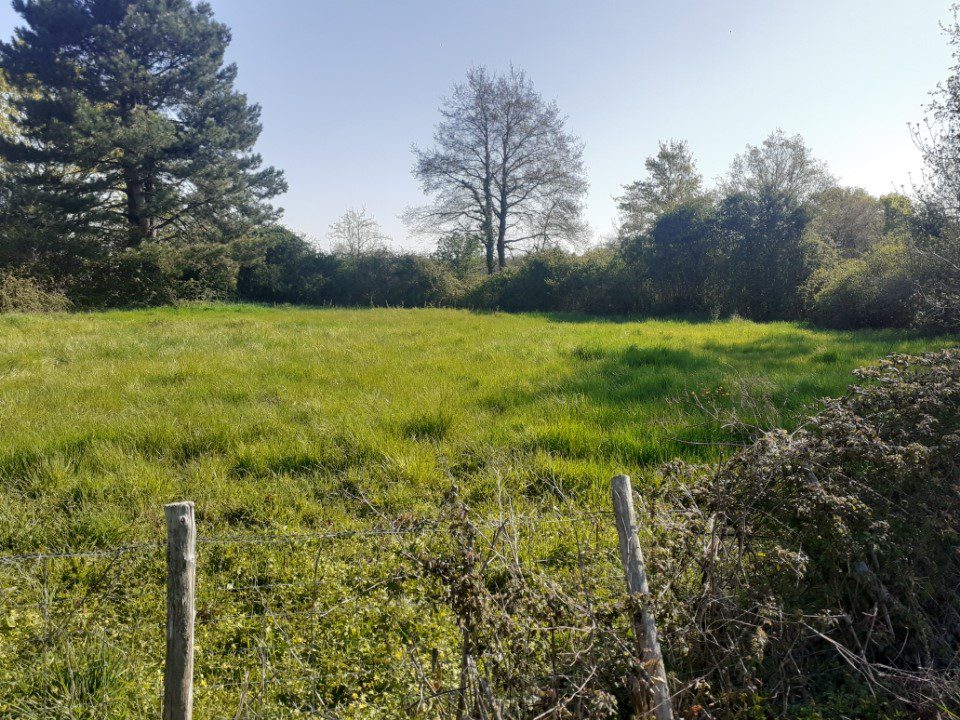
x=279 y=421
x=284 y=418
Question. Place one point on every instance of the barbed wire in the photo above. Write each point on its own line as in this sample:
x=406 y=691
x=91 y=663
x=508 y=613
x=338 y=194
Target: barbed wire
x=399 y=528
x=259 y=623
x=81 y=554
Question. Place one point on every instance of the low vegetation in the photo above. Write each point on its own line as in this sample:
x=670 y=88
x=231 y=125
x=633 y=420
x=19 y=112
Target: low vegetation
x=25 y=295
x=285 y=424
x=820 y=566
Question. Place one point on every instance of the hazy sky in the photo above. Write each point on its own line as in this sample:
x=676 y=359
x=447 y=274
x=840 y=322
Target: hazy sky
x=348 y=85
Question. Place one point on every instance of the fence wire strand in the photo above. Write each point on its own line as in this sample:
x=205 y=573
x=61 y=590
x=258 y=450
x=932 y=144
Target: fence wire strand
x=275 y=612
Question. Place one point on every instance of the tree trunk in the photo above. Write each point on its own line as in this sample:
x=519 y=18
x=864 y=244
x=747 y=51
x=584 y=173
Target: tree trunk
x=504 y=206
x=488 y=236
x=136 y=186
x=141 y=224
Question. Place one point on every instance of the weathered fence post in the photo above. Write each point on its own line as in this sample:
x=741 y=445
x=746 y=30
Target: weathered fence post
x=181 y=610
x=645 y=628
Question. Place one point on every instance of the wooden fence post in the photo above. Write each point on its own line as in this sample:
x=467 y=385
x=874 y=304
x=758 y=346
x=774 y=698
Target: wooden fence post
x=181 y=610
x=644 y=626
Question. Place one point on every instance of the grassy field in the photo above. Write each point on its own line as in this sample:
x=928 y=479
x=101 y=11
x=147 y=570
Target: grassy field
x=290 y=421
x=281 y=418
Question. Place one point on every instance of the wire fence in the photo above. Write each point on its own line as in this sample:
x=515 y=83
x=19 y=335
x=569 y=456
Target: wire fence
x=342 y=623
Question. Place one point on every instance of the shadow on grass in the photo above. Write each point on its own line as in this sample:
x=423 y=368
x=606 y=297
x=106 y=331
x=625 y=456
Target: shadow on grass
x=639 y=405
x=585 y=319
x=577 y=318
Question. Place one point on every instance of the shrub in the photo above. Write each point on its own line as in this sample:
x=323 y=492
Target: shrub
x=672 y=259
x=600 y=282
x=199 y=271
x=824 y=562
x=278 y=266
x=874 y=290
x=388 y=279
x=532 y=284
x=518 y=658
x=938 y=310
x=156 y=274
x=128 y=278
x=553 y=280
x=20 y=293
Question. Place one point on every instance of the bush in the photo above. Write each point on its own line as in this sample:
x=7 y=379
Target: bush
x=278 y=266
x=555 y=281
x=532 y=284
x=874 y=290
x=599 y=282
x=388 y=279
x=25 y=294
x=693 y=261
x=128 y=278
x=824 y=562
x=156 y=274
x=199 y=271
x=672 y=259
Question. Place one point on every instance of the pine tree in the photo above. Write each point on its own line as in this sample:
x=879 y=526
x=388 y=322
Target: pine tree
x=130 y=128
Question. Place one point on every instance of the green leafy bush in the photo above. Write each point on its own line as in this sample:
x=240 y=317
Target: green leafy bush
x=388 y=279
x=156 y=274
x=24 y=294
x=530 y=285
x=279 y=266
x=874 y=290
x=672 y=259
x=553 y=280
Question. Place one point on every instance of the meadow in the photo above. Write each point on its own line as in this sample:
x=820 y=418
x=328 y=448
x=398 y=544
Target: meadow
x=286 y=425
x=279 y=418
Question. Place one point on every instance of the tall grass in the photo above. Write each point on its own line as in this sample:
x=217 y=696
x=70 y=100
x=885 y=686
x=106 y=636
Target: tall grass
x=294 y=418
x=281 y=421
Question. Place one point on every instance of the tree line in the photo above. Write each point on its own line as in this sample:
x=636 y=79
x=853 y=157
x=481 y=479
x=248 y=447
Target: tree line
x=128 y=177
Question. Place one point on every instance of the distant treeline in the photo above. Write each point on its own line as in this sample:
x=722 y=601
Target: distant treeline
x=737 y=256
x=128 y=177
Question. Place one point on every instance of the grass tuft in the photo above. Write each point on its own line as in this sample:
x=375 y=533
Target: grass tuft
x=433 y=425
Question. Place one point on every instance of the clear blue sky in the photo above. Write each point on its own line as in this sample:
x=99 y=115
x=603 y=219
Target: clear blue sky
x=348 y=85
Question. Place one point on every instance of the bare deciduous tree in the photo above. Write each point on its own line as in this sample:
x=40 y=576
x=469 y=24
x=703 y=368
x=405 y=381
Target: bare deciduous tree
x=503 y=164
x=557 y=223
x=356 y=234
x=938 y=137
